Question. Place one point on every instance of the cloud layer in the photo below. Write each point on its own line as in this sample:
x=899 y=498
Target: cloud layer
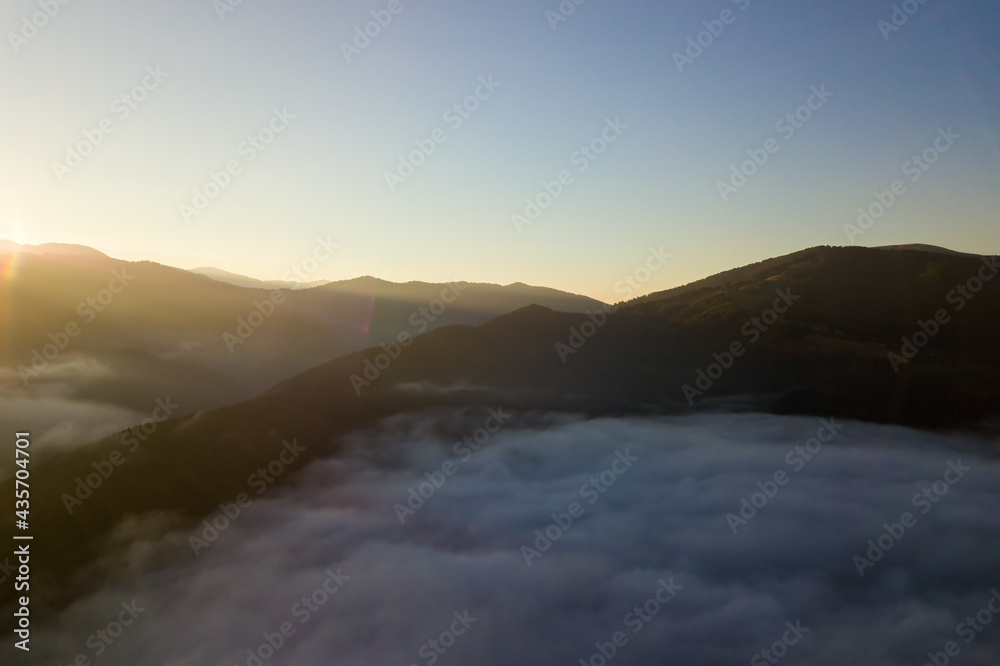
x=648 y=500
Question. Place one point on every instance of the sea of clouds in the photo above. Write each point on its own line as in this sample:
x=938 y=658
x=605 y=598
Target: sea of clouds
x=657 y=513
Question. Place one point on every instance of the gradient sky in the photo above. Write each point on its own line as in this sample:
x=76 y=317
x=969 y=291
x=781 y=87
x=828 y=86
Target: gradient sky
x=655 y=186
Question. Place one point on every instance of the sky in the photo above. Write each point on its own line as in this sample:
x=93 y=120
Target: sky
x=668 y=121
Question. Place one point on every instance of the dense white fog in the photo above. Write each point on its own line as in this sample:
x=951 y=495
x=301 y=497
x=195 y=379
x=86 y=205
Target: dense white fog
x=364 y=574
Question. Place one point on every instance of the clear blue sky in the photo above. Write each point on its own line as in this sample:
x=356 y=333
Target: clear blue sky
x=656 y=185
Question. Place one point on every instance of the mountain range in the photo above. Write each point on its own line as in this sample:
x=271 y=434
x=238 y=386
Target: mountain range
x=81 y=337
x=894 y=336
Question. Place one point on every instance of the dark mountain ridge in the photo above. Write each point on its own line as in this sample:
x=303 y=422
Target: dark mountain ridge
x=808 y=333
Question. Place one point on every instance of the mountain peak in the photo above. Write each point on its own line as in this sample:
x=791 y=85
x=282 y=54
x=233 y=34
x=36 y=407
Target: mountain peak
x=62 y=249
x=923 y=247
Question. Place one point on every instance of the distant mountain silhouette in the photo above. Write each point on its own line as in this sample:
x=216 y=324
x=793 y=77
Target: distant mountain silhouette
x=65 y=249
x=253 y=283
x=828 y=353
x=843 y=312
x=175 y=318
x=921 y=247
